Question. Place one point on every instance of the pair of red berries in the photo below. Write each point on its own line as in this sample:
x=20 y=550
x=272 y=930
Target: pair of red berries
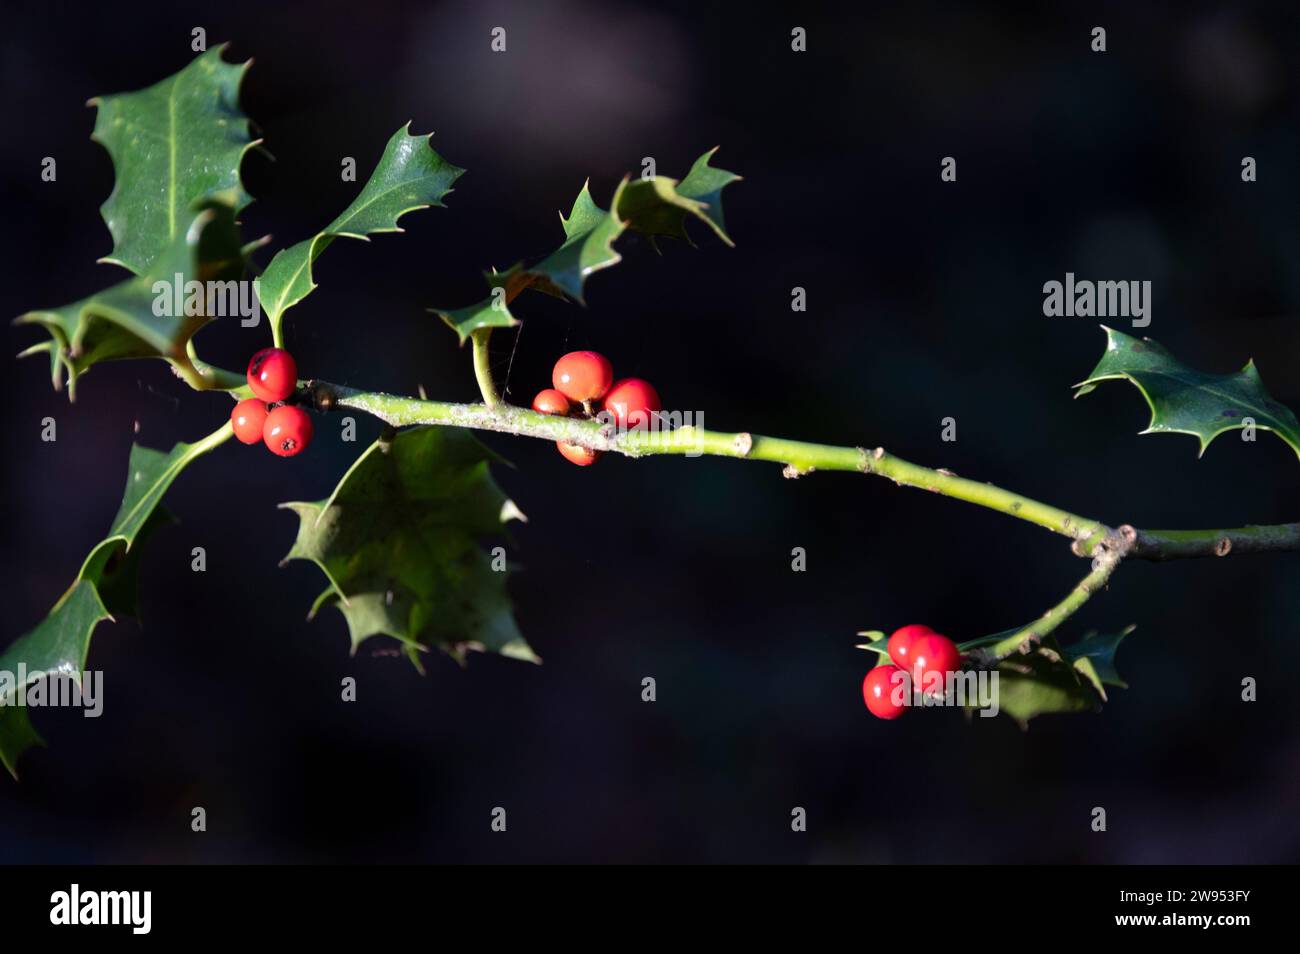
x=583 y=377
x=285 y=429
x=916 y=651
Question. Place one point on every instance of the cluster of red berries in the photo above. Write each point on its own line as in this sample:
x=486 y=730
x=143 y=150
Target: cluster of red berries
x=918 y=652
x=284 y=428
x=582 y=378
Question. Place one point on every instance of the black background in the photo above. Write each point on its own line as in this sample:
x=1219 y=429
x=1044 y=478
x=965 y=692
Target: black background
x=924 y=302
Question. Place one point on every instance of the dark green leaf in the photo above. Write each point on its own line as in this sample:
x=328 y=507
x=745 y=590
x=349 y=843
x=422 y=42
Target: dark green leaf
x=877 y=642
x=410 y=175
x=492 y=312
x=589 y=245
x=1052 y=678
x=57 y=646
x=704 y=183
x=16 y=737
x=149 y=474
x=1044 y=681
x=174 y=145
x=399 y=542
x=122 y=321
x=1099 y=650
x=119 y=576
x=105 y=585
x=1186 y=401
x=656 y=206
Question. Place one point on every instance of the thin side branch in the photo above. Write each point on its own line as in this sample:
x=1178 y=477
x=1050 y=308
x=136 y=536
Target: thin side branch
x=483 y=369
x=1109 y=554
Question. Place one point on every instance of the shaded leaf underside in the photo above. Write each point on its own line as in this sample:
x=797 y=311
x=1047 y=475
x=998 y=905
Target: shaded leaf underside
x=398 y=541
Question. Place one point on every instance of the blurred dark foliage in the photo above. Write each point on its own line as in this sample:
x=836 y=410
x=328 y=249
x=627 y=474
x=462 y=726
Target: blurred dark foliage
x=924 y=302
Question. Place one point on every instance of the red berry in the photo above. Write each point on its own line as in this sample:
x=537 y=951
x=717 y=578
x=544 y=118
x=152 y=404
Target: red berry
x=900 y=644
x=272 y=374
x=575 y=453
x=287 y=430
x=582 y=376
x=632 y=401
x=878 y=692
x=932 y=654
x=247 y=418
x=550 y=401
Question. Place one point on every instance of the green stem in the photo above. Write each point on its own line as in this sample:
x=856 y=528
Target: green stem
x=202 y=376
x=482 y=368
x=1110 y=552
x=218 y=437
x=1177 y=544
x=799 y=457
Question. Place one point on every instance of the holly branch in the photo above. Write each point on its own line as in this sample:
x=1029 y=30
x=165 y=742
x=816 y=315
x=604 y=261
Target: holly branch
x=399 y=539
x=1104 y=545
x=799 y=458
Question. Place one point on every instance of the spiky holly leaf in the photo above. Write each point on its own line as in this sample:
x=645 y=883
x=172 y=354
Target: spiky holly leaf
x=588 y=247
x=398 y=541
x=656 y=206
x=174 y=145
x=877 y=642
x=1054 y=678
x=105 y=586
x=1186 y=401
x=704 y=184
x=16 y=736
x=119 y=579
x=492 y=312
x=149 y=475
x=1043 y=682
x=410 y=175
x=141 y=316
x=56 y=647
x=1047 y=680
x=1099 y=650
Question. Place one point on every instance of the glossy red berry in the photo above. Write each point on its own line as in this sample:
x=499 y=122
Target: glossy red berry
x=582 y=376
x=631 y=402
x=247 y=418
x=550 y=401
x=577 y=454
x=287 y=430
x=933 y=654
x=900 y=644
x=878 y=691
x=272 y=374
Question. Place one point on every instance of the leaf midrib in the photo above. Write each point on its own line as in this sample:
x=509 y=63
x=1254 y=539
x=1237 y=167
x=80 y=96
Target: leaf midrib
x=336 y=227
x=336 y=230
